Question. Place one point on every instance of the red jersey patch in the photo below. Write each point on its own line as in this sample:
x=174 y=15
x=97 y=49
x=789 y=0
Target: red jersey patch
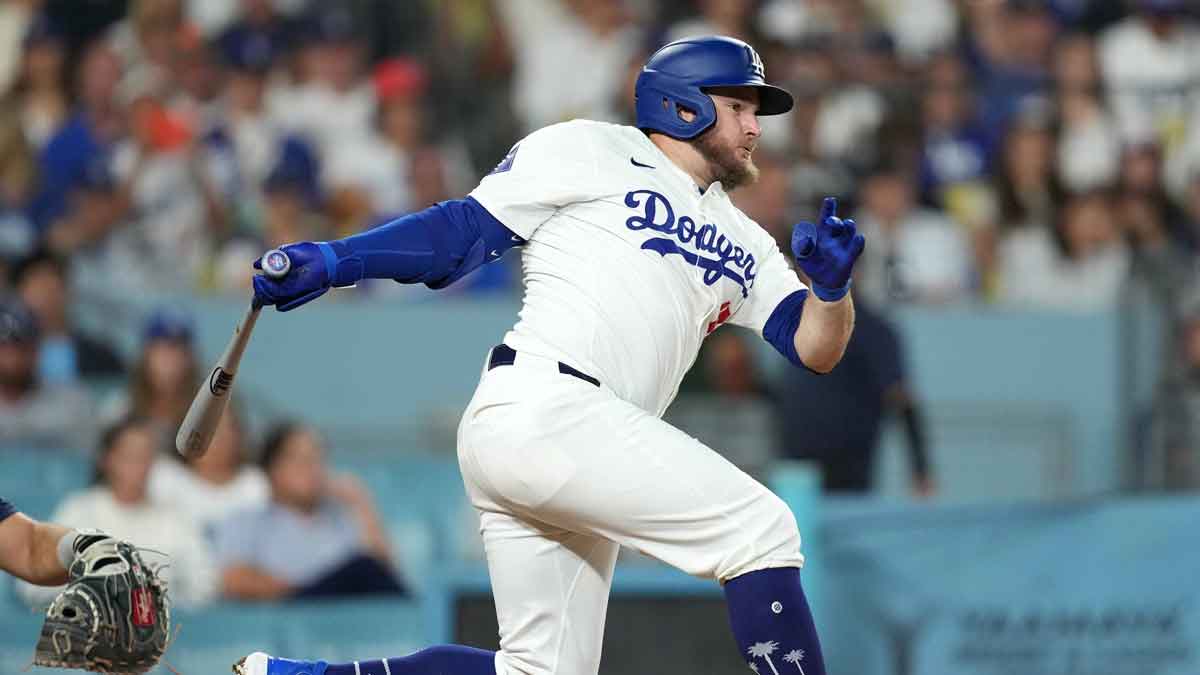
x=722 y=317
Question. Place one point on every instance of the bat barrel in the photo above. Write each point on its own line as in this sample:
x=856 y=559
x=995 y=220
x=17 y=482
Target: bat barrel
x=204 y=414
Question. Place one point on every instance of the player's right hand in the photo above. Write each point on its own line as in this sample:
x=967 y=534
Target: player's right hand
x=826 y=251
x=308 y=279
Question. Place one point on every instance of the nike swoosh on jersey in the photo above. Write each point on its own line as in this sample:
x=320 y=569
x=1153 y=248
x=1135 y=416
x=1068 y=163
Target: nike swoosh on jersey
x=639 y=164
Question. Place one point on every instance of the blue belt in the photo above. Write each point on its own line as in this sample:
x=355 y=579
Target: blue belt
x=503 y=355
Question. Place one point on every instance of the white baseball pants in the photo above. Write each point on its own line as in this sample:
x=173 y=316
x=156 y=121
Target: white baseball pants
x=563 y=473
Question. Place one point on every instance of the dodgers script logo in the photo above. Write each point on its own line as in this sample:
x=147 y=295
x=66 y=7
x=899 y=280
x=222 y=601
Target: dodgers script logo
x=731 y=261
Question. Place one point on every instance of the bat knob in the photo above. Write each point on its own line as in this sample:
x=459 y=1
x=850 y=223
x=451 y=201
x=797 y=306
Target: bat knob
x=276 y=264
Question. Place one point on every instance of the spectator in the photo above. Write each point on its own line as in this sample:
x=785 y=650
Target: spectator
x=221 y=17
x=1163 y=257
x=165 y=377
x=41 y=94
x=1150 y=68
x=1013 y=61
x=196 y=100
x=1088 y=148
x=256 y=19
x=333 y=103
x=292 y=199
x=1183 y=164
x=716 y=17
x=916 y=254
x=18 y=183
x=15 y=19
x=813 y=174
x=147 y=42
x=921 y=28
x=1150 y=220
x=835 y=420
x=248 y=131
x=853 y=111
x=291 y=203
x=1191 y=227
x=66 y=355
x=267 y=553
x=382 y=167
x=211 y=487
x=1081 y=264
x=166 y=200
x=582 y=46
x=956 y=150
x=32 y=412
x=246 y=141
x=105 y=252
x=471 y=62
x=97 y=121
x=1028 y=188
x=118 y=503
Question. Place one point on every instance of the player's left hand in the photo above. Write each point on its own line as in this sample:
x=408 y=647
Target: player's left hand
x=827 y=250
x=308 y=279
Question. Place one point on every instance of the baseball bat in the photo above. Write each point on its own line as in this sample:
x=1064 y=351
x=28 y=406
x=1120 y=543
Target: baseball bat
x=204 y=414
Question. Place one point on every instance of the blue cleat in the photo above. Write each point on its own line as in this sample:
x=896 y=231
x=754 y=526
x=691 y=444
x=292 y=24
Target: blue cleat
x=259 y=663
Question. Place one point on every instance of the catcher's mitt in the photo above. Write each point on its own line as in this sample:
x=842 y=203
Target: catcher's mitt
x=112 y=617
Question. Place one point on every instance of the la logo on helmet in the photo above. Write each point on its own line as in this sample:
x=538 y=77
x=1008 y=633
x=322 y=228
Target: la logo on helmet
x=756 y=64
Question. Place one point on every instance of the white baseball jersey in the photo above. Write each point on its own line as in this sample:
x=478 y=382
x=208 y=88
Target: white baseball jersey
x=628 y=265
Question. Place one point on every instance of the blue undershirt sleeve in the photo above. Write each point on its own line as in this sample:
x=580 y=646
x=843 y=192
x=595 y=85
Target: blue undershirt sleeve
x=436 y=246
x=780 y=329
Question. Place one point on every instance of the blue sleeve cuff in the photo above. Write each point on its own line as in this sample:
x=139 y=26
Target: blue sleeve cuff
x=831 y=294
x=331 y=260
x=780 y=329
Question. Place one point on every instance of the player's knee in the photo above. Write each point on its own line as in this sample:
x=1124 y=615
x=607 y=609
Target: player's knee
x=781 y=538
x=508 y=663
x=772 y=541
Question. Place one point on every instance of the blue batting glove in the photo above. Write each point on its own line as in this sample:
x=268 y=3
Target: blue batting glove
x=309 y=278
x=827 y=251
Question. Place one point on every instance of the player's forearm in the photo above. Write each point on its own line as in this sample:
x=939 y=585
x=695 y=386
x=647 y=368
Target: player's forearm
x=374 y=535
x=824 y=330
x=246 y=582
x=29 y=550
x=436 y=246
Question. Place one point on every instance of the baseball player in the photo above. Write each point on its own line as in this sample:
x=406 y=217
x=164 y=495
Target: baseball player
x=111 y=617
x=632 y=254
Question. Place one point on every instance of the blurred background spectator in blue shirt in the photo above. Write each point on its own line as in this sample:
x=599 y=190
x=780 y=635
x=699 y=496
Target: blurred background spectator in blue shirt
x=266 y=553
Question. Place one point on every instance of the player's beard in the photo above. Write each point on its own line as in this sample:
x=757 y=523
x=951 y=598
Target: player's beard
x=727 y=167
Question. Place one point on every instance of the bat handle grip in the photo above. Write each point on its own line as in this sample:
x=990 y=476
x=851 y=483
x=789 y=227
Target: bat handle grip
x=275 y=263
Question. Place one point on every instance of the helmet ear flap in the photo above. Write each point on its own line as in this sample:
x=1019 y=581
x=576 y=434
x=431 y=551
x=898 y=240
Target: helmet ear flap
x=659 y=104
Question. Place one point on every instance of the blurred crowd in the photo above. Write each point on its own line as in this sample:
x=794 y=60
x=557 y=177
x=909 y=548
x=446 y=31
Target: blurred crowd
x=237 y=522
x=1027 y=153
x=1033 y=152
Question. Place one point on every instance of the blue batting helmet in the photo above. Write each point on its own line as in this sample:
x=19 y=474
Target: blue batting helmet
x=677 y=75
